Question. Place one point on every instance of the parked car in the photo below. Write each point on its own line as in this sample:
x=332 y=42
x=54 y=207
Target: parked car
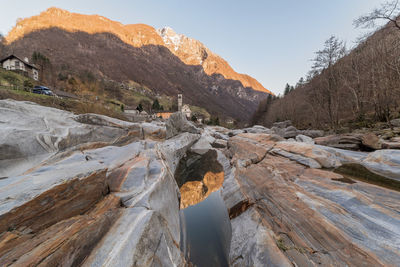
x=43 y=90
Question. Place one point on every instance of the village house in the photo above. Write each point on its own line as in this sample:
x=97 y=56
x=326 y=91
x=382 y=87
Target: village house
x=186 y=111
x=164 y=114
x=18 y=65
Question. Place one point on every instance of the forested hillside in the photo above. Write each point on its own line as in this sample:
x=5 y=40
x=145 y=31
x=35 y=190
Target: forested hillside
x=358 y=86
x=92 y=49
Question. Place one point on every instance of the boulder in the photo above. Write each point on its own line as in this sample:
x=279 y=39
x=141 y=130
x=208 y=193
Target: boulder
x=390 y=145
x=371 y=141
x=313 y=133
x=219 y=143
x=258 y=129
x=177 y=123
x=393 y=143
x=282 y=124
x=345 y=141
x=395 y=122
x=203 y=145
x=278 y=131
x=304 y=139
x=290 y=132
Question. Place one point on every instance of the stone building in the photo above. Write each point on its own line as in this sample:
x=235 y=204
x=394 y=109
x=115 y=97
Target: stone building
x=18 y=65
x=180 y=101
x=186 y=111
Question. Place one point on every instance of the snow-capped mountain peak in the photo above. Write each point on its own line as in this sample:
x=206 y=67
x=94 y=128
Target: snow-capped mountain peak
x=170 y=37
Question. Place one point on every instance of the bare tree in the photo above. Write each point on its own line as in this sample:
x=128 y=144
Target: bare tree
x=334 y=49
x=324 y=62
x=388 y=11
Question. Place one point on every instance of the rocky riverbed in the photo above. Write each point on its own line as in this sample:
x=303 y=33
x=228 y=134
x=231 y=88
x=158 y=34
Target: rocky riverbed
x=88 y=190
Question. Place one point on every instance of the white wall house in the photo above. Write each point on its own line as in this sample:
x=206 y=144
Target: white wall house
x=186 y=111
x=14 y=63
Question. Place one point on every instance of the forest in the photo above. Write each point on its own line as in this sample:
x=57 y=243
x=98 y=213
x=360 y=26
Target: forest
x=357 y=87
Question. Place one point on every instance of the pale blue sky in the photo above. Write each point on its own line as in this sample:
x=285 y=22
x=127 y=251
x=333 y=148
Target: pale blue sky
x=273 y=41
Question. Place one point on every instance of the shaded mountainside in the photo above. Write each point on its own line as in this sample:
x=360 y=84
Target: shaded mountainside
x=110 y=50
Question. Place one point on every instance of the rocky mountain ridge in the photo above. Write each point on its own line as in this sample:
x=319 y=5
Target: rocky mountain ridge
x=191 y=51
x=80 y=44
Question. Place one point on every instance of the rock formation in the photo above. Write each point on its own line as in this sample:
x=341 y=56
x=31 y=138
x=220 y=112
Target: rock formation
x=88 y=190
x=285 y=214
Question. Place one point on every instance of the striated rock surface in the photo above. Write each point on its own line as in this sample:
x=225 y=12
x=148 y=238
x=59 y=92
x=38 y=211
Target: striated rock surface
x=112 y=205
x=33 y=133
x=345 y=141
x=104 y=192
x=285 y=214
x=385 y=162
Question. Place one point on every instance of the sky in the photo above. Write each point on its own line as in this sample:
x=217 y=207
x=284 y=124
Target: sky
x=272 y=41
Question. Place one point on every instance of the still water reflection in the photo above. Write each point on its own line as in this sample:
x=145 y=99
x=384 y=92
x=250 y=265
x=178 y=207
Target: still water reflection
x=207 y=232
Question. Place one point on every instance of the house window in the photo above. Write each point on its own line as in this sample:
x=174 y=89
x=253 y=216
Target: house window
x=17 y=65
x=35 y=75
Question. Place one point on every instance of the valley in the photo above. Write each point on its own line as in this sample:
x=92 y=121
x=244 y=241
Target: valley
x=128 y=145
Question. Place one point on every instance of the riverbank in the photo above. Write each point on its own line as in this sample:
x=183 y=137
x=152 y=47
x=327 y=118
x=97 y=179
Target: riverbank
x=89 y=190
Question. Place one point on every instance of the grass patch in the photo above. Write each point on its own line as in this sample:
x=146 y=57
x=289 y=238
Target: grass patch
x=72 y=105
x=281 y=244
x=9 y=78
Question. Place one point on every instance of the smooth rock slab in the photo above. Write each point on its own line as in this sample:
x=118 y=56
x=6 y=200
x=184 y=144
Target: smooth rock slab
x=310 y=215
x=251 y=243
x=31 y=133
x=384 y=162
x=324 y=158
x=139 y=238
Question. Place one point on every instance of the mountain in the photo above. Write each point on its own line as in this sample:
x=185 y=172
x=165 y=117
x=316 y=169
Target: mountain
x=193 y=52
x=166 y=62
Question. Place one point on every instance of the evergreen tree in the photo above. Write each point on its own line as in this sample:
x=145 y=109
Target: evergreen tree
x=300 y=82
x=216 y=122
x=42 y=61
x=156 y=105
x=287 y=89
